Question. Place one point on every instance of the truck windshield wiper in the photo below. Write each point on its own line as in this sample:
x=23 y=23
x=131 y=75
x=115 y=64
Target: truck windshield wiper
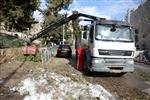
x=124 y=40
x=115 y=40
x=108 y=40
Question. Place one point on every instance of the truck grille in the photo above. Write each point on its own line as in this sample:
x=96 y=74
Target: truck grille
x=115 y=52
x=115 y=62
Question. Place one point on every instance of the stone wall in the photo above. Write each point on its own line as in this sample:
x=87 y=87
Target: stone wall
x=9 y=54
x=140 y=19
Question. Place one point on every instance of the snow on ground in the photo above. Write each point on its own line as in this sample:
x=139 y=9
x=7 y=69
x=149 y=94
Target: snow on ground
x=53 y=86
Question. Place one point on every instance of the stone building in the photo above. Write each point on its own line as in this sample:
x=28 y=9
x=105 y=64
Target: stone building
x=140 y=19
x=37 y=27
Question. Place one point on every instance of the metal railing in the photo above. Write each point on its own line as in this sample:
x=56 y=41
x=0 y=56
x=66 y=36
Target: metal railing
x=47 y=53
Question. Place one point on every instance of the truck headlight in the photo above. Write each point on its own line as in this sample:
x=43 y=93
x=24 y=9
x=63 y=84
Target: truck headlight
x=97 y=60
x=130 y=61
x=128 y=53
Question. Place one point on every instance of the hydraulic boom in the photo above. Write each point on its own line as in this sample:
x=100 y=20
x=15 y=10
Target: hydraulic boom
x=53 y=26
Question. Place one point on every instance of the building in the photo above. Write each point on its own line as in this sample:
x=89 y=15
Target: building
x=140 y=19
x=37 y=27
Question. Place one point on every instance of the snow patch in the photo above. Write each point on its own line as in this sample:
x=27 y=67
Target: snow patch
x=1 y=81
x=33 y=89
x=61 y=88
x=99 y=91
x=147 y=91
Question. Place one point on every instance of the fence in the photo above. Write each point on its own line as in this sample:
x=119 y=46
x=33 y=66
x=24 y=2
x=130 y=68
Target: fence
x=46 y=53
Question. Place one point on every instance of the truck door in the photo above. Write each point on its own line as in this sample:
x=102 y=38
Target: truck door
x=91 y=39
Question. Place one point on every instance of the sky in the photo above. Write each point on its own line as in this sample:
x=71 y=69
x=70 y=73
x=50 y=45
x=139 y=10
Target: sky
x=110 y=9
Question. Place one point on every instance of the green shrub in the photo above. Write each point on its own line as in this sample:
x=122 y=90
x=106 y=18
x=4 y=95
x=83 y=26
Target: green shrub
x=36 y=58
x=10 y=43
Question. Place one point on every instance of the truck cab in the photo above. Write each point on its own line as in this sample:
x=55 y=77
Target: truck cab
x=111 y=47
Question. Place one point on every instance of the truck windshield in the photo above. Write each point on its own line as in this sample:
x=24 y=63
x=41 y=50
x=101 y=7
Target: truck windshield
x=122 y=33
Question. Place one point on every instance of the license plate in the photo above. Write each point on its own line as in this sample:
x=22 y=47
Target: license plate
x=116 y=71
x=63 y=51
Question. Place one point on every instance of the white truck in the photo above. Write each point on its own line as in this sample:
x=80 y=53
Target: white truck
x=111 y=47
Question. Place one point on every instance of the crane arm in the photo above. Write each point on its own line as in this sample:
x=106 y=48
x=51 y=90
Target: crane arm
x=53 y=26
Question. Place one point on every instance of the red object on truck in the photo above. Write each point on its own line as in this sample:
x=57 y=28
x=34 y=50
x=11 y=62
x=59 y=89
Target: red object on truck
x=30 y=50
x=80 y=60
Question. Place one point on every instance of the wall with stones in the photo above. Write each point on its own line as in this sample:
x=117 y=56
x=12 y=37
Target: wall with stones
x=140 y=19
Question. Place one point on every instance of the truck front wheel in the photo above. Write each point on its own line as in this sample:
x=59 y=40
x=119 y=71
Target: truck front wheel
x=86 y=70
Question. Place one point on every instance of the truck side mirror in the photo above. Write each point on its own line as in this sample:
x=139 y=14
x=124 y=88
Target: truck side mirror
x=136 y=38
x=136 y=31
x=85 y=28
x=85 y=35
x=113 y=29
x=91 y=40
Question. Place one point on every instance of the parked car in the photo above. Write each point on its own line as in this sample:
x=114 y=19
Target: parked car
x=146 y=56
x=64 y=51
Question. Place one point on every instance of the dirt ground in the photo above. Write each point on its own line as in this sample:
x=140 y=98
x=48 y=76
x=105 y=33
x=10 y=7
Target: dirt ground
x=121 y=87
x=12 y=73
x=127 y=87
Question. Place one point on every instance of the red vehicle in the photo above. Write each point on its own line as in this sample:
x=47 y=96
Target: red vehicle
x=64 y=51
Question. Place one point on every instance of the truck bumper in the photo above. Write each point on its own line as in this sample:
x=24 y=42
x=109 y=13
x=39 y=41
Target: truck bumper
x=112 y=65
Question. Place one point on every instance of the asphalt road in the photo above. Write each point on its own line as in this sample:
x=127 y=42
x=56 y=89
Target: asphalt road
x=143 y=67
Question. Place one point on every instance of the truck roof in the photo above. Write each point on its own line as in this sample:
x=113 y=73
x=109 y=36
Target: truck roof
x=113 y=22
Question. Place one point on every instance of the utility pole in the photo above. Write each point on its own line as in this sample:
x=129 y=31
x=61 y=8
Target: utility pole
x=63 y=32
x=129 y=16
x=64 y=28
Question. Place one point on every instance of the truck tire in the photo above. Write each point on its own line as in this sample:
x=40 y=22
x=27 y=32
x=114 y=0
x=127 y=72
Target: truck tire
x=86 y=70
x=86 y=65
x=70 y=56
